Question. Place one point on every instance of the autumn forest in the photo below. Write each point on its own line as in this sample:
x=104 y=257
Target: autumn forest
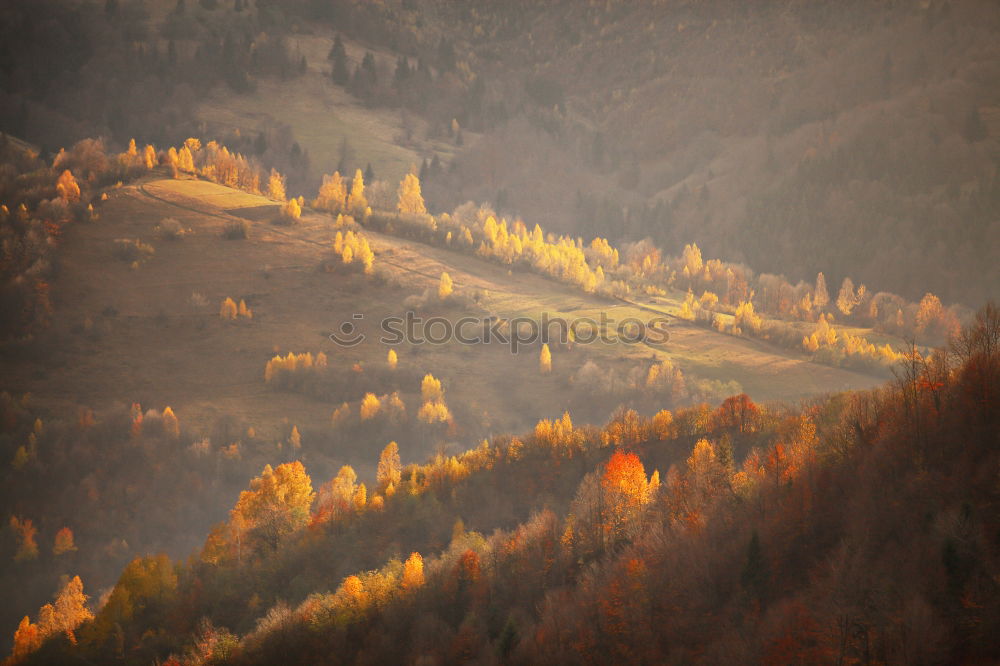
x=444 y=332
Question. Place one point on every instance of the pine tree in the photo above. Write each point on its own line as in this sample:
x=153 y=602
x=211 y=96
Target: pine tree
x=507 y=640
x=338 y=55
x=975 y=129
x=754 y=575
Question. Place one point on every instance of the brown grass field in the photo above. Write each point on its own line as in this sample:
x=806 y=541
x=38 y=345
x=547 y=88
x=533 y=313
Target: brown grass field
x=124 y=333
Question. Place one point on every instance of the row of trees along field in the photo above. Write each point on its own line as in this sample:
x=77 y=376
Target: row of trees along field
x=852 y=528
x=732 y=297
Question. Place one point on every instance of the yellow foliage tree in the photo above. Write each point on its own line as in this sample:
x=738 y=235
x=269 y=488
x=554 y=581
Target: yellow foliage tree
x=430 y=388
x=292 y=210
x=332 y=194
x=185 y=161
x=356 y=201
x=276 y=186
x=413 y=572
x=692 y=261
x=354 y=247
x=688 y=307
x=392 y=359
x=370 y=405
x=411 y=201
x=67 y=187
x=352 y=592
x=228 y=309
x=389 y=471
x=434 y=412
x=67 y=613
x=394 y=406
x=340 y=414
x=605 y=254
x=545 y=360
x=746 y=318
x=445 y=286
x=149 y=156
x=929 y=311
x=130 y=158
x=276 y=504
x=663 y=425
x=847 y=298
x=821 y=297
x=171 y=425
x=360 y=498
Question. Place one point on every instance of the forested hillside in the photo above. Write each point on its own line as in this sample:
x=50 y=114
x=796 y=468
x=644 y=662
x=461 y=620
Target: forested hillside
x=730 y=274
x=858 y=139
x=860 y=528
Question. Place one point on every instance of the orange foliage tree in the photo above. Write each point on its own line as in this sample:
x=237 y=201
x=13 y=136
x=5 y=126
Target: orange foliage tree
x=413 y=572
x=626 y=490
x=63 y=542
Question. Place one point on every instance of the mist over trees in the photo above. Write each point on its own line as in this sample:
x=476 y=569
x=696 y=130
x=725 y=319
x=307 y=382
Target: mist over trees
x=801 y=197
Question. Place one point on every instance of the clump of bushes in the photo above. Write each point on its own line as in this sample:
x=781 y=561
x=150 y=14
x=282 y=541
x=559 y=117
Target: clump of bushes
x=170 y=229
x=133 y=250
x=236 y=230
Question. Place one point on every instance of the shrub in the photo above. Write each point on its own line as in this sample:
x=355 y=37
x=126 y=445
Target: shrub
x=170 y=229
x=131 y=250
x=236 y=230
